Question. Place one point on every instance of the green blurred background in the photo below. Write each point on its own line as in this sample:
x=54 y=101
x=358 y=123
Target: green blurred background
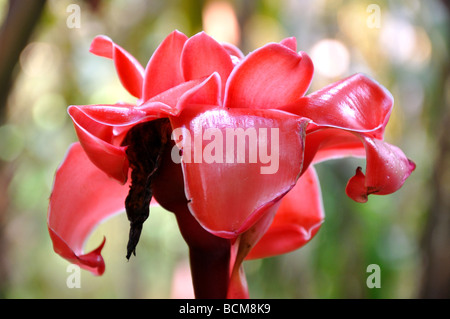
x=45 y=66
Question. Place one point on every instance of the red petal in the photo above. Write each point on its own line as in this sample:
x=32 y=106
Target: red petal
x=356 y=103
x=331 y=143
x=386 y=171
x=115 y=115
x=202 y=56
x=387 y=165
x=238 y=288
x=130 y=71
x=269 y=77
x=242 y=246
x=228 y=197
x=101 y=128
x=125 y=115
x=297 y=220
x=291 y=43
x=356 y=188
x=100 y=144
x=81 y=198
x=102 y=46
x=170 y=102
x=233 y=50
x=164 y=70
x=205 y=93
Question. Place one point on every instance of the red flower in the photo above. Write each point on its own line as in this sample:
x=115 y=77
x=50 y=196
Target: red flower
x=257 y=198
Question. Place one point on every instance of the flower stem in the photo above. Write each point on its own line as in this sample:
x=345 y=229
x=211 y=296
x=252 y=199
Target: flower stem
x=209 y=257
x=210 y=272
x=209 y=254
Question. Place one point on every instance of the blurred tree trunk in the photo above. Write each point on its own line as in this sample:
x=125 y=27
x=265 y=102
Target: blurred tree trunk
x=17 y=28
x=22 y=17
x=245 y=10
x=436 y=241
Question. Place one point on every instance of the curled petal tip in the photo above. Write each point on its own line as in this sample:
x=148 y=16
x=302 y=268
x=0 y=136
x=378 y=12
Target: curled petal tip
x=128 y=68
x=412 y=165
x=356 y=188
x=82 y=197
x=290 y=42
x=94 y=260
x=386 y=172
x=102 y=46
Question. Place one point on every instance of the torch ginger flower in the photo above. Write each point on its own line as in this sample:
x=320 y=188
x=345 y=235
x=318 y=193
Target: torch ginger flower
x=197 y=97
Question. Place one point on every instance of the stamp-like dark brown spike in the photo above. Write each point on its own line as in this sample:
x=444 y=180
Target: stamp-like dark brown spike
x=145 y=143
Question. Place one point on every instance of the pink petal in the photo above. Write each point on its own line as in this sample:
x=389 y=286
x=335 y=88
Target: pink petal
x=331 y=143
x=82 y=197
x=291 y=43
x=168 y=103
x=172 y=101
x=297 y=220
x=238 y=288
x=202 y=56
x=269 y=77
x=115 y=115
x=101 y=128
x=241 y=248
x=100 y=144
x=356 y=103
x=227 y=196
x=164 y=68
x=386 y=171
x=387 y=165
x=335 y=144
x=102 y=46
x=130 y=71
x=125 y=115
x=205 y=93
x=233 y=51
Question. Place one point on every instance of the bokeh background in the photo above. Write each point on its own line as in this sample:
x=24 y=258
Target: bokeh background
x=45 y=66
